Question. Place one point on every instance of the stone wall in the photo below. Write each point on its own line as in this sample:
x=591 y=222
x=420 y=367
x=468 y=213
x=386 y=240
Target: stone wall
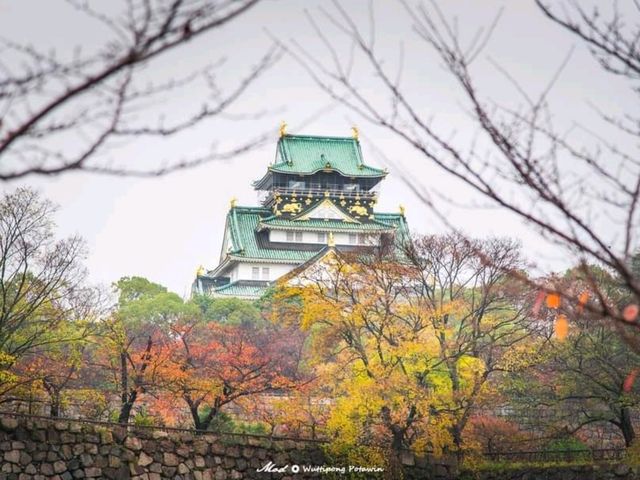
x=48 y=449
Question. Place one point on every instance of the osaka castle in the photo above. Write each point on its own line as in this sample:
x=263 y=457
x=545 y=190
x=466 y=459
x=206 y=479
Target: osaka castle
x=318 y=194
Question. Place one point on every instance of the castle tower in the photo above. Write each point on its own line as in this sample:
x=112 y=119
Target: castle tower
x=317 y=191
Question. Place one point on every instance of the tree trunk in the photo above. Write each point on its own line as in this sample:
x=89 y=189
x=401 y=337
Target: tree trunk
x=201 y=424
x=127 y=398
x=54 y=394
x=626 y=425
x=125 y=409
x=55 y=405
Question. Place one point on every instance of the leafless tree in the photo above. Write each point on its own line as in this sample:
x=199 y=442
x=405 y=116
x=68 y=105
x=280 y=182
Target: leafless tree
x=59 y=114
x=519 y=159
x=40 y=277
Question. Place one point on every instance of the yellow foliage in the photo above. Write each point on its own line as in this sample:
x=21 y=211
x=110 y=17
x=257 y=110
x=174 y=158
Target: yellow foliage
x=380 y=351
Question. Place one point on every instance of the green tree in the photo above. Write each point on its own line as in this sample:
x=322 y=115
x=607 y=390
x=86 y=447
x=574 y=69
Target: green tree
x=232 y=311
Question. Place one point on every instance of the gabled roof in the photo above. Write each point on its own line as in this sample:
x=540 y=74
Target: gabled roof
x=318 y=257
x=242 y=223
x=326 y=209
x=306 y=155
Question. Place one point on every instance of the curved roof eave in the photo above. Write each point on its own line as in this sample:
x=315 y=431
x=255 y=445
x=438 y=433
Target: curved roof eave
x=378 y=173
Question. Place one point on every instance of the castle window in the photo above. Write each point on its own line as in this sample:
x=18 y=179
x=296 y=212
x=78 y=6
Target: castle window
x=362 y=238
x=353 y=238
x=322 y=237
x=289 y=236
x=255 y=273
x=298 y=236
x=296 y=184
x=265 y=273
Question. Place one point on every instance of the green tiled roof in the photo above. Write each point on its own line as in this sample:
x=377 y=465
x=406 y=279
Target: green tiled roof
x=241 y=289
x=305 y=155
x=247 y=244
x=402 y=229
x=320 y=224
x=398 y=221
x=242 y=223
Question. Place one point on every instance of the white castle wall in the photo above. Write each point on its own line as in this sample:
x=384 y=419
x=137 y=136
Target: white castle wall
x=312 y=237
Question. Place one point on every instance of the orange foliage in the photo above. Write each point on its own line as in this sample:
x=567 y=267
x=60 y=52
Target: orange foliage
x=561 y=327
x=553 y=300
x=211 y=365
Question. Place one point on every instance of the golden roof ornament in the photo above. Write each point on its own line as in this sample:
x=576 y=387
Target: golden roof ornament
x=402 y=209
x=283 y=128
x=355 y=133
x=233 y=202
x=331 y=242
x=200 y=271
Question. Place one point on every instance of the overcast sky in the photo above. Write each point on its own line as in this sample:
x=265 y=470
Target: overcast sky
x=164 y=228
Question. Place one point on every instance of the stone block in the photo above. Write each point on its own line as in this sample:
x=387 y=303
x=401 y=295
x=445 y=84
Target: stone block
x=91 y=448
x=8 y=424
x=25 y=458
x=169 y=471
x=59 y=466
x=183 y=451
x=217 y=449
x=144 y=459
x=75 y=427
x=66 y=452
x=220 y=474
x=201 y=447
x=233 y=451
x=12 y=456
x=61 y=426
x=170 y=460
x=241 y=464
x=93 y=472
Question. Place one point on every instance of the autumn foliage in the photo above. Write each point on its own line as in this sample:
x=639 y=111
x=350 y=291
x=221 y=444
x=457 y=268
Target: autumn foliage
x=442 y=347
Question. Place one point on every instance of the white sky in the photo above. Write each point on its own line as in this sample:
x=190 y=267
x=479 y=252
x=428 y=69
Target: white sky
x=164 y=228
